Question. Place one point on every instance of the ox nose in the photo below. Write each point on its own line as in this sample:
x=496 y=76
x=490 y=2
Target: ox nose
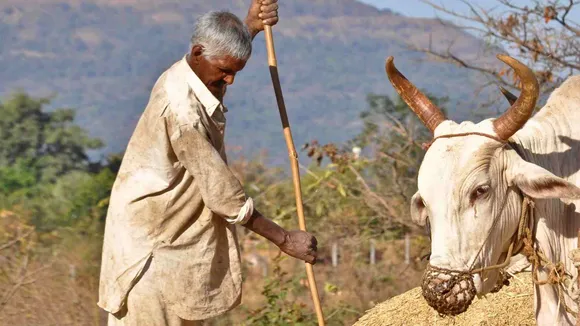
x=447 y=291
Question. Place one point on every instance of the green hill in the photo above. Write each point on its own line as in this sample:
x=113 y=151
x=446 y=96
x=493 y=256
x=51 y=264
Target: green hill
x=103 y=56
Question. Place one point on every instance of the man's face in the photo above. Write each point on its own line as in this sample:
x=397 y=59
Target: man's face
x=216 y=73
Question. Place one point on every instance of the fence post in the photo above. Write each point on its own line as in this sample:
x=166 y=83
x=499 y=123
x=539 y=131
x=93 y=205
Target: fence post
x=334 y=254
x=72 y=271
x=264 y=269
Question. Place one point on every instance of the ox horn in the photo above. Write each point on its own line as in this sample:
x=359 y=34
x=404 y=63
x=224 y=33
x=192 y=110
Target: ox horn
x=430 y=115
x=509 y=96
x=521 y=110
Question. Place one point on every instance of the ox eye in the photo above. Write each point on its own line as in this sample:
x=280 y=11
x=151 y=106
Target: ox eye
x=479 y=192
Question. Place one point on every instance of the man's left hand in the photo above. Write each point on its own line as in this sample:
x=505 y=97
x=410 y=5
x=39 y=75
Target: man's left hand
x=262 y=12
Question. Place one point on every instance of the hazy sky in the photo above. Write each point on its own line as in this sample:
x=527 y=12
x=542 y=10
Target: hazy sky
x=417 y=8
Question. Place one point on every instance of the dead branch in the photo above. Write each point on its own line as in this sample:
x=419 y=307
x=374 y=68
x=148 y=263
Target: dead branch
x=15 y=241
x=545 y=37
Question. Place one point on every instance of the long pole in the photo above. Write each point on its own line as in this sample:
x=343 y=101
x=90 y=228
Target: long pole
x=293 y=161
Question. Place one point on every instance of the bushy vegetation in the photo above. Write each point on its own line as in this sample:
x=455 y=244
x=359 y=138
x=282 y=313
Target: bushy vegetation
x=54 y=201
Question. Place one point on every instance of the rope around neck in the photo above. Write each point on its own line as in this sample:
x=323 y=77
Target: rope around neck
x=426 y=146
x=524 y=241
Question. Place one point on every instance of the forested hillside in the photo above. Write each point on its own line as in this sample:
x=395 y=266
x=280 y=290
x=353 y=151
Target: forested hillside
x=101 y=57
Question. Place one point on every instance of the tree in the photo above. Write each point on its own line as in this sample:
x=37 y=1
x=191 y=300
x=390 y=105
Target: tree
x=541 y=34
x=37 y=145
x=45 y=167
x=367 y=197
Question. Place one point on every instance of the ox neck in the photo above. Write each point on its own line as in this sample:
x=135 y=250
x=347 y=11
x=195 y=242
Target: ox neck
x=551 y=141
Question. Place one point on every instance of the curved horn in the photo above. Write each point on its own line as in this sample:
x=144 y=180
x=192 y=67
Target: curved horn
x=517 y=115
x=430 y=115
x=509 y=96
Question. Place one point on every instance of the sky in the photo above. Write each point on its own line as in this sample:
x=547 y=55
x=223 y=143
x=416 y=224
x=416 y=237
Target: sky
x=417 y=8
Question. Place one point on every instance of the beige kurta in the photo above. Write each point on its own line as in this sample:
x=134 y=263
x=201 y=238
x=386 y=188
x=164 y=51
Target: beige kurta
x=175 y=202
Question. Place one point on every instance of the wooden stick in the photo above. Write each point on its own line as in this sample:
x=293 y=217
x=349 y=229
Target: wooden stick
x=293 y=161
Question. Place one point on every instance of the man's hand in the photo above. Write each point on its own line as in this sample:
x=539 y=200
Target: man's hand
x=298 y=244
x=301 y=245
x=261 y=12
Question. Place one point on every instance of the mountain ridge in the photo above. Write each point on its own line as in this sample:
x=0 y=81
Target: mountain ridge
x=103 y=56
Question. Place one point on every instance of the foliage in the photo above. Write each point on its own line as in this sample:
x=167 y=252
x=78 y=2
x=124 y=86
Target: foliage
x=351 y=199
x=52 y=198
x=352 y=191
x=393 y=133
x=48 y=144
x=281 y=307
x=45 y=166
x=542 y=34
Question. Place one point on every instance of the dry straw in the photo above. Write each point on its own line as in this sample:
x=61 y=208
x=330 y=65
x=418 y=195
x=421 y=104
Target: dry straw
x=512 y=305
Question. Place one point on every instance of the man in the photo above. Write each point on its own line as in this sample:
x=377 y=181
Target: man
x=170 y=251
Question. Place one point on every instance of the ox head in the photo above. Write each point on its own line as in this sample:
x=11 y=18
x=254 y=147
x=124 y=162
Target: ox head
x=471 y=188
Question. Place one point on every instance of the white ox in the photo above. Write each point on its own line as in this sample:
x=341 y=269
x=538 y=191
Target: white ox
x=472 y=186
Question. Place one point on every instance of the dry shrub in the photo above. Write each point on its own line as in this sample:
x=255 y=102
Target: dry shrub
x=346 y=291
x=39 y=285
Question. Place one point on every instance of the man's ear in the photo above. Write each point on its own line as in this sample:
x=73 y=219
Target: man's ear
x=196 y=52
x=418 y=210
x=538 y=182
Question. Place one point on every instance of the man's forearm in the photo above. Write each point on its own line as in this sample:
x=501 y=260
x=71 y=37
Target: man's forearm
x=253 y=32
x=266 y=228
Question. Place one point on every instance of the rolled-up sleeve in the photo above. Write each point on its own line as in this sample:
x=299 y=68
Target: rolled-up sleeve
x=220 y=190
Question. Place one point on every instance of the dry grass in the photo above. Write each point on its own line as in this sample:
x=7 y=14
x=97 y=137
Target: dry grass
x=46 y=286
x=55 y=298
x=513 y=305
x=59 y=286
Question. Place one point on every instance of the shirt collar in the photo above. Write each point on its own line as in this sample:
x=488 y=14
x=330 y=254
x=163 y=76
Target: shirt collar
x=207 y=99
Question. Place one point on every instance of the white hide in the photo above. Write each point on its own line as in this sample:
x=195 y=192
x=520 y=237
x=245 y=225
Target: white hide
x=454 y=170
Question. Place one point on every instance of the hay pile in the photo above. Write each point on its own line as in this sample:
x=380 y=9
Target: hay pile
x=512 y=305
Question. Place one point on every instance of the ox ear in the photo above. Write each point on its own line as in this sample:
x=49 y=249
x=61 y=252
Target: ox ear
x=538 y=182
x=418 y=210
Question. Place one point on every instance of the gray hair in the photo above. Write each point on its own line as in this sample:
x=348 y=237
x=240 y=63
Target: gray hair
x=222 y=33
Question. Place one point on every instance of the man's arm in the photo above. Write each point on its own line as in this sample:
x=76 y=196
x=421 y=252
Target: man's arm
x=224 y=195
x=220 y=190
x=261 y=12
x=298 y=244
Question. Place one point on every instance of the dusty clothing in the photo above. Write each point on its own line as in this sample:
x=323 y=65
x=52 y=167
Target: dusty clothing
x=175 y=202
x=146 y=307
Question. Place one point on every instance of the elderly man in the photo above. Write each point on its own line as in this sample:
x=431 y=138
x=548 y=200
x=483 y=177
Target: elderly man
x=170 y=252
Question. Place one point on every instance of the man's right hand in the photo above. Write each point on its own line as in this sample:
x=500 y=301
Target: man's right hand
x=298 y=244
x=261 y=13
x=301 y=245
